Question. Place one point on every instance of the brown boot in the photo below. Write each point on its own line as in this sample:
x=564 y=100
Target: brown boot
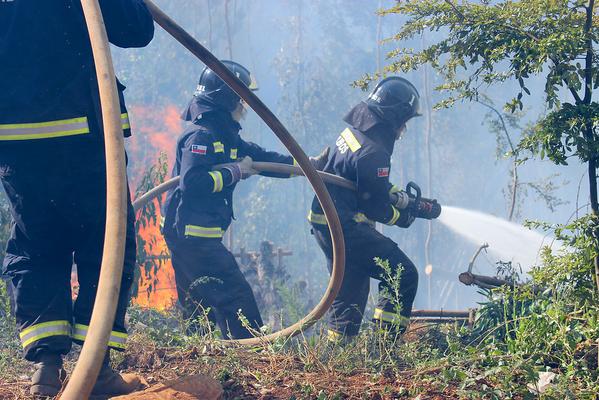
x=48 y=377
x=111 y=383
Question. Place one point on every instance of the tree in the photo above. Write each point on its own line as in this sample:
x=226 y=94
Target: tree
x=485 y=44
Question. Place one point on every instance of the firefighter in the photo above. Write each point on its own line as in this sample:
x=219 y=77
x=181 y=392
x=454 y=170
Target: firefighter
x=199 y=210
x=362 y=154
x=52 y=168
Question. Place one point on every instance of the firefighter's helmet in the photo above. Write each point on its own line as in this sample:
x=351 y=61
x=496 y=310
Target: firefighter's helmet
x=394 y=100
x=214 y=91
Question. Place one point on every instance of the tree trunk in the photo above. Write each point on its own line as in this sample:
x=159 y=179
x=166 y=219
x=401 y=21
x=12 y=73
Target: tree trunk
x=588 y=96
x=228 y=27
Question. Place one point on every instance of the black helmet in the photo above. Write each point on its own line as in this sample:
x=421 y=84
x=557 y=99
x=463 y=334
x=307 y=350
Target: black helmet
x=394 y=100
x=212 y=90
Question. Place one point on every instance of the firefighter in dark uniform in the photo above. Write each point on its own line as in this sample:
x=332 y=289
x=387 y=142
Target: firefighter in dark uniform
x=363 y=155
x=52 y=168
x=199 y=210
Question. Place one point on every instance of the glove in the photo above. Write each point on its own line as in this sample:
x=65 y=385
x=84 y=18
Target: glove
x=247 y=170
x=240 y=170
x=406 y=218
x=320 y=161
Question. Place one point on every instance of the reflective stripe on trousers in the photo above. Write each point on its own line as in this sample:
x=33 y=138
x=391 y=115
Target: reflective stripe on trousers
x=51 y=129
x=390 y=317
x=203 y=231
x=43 y=330
x=117 y=340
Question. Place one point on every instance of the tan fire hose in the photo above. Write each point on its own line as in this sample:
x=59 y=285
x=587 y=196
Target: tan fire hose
x=277 y=168
x=295 y=150
x=88 y=366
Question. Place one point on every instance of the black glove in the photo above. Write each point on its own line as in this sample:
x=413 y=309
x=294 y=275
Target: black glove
x=406 y=218
x=320 y=161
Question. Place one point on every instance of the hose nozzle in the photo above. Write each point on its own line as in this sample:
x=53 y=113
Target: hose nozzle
x=421 y=207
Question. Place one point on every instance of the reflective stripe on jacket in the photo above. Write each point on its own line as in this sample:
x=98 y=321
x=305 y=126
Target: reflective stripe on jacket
x=48 y=84
x=363 y=158
x=51 y=129
x=201 y=206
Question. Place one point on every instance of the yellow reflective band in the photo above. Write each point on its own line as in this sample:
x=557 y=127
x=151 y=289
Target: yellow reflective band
x=218 y=147
x=333 y=335
x=202 y=231
x=233 y=154
x=362 y=218
x=161 y=221
x=319 y=219
x=117 y=340
x=395 y=216
x=217 y=177
x=44 y=130
x=125 y=124
x=386 y=316
x=394 y=189
x=44 y=330
x=351 y=140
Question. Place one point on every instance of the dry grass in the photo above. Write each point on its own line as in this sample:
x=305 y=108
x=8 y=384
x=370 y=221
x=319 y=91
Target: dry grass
x=254 y=374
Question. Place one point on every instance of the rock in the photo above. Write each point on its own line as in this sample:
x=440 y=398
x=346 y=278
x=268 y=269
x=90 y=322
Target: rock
x=193 y=387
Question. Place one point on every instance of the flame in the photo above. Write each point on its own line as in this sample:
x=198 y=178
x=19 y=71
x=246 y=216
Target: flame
x=155 y=130
x=157 y=287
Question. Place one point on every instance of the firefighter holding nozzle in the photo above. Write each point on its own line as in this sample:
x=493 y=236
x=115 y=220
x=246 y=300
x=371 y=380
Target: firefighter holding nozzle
x=211 y=158
x=362 y=154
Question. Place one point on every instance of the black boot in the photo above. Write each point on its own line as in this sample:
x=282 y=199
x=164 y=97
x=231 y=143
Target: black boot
x=48 y=377
x=111 y=383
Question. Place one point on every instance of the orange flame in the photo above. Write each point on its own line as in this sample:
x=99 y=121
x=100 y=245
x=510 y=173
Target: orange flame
x=157 y=287
x=155 y=130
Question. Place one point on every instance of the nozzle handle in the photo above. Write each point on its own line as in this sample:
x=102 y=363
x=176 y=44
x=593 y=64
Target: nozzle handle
x=418 y=193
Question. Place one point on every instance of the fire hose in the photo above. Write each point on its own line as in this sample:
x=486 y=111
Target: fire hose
x=88 y=366
x=410 y=198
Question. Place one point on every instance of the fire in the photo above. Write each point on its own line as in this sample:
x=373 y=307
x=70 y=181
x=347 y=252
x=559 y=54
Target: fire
x=155 y=130
x=157 y=287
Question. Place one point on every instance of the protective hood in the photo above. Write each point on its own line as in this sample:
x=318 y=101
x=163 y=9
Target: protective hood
x=362 y=118
x=197 y=107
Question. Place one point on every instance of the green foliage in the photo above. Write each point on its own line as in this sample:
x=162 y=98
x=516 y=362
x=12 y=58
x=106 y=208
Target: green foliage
x=489 y=43
x=562 y=134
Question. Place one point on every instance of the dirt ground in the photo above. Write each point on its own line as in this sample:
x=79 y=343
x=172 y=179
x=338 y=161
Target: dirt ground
x=255 y=374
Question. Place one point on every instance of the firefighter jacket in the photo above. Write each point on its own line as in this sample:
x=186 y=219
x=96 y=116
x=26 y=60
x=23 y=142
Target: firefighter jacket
x=363 y=157
x=201 y=205
x=48 y=85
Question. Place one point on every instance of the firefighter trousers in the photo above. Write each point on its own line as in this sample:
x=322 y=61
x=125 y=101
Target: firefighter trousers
x=363 y=244
x=57 y=195
x=209 y=281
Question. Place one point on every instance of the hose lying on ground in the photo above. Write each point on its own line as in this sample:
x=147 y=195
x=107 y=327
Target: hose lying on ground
x=294 y=149
x=88 y=366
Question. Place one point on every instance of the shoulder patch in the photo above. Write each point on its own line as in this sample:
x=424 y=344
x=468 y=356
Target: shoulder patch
x=199 y=149
x=383 y=172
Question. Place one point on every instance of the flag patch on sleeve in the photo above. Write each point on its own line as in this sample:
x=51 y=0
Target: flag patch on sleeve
x=198 y=149
x=383 y=172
